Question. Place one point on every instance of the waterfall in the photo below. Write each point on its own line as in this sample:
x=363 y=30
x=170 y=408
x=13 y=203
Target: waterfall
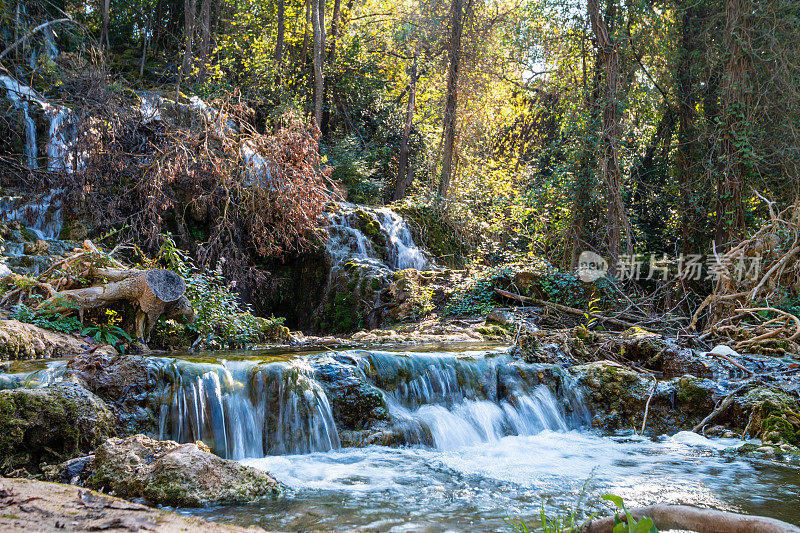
x=19 y=95
x=246 y=409
x=348 y=239
x=60 y=144
x=41 y=215
x=253 y=409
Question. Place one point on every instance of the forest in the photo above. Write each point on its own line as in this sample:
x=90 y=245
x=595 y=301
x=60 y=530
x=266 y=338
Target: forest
x=400 y=265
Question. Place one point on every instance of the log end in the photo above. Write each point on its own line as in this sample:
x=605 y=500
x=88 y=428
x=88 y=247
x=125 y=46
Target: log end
x=165 y=284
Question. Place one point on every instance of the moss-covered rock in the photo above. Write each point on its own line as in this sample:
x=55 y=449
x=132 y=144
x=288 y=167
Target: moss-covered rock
x=168 y=473
x=19 y=340
x=49 y=425
x=774 y=416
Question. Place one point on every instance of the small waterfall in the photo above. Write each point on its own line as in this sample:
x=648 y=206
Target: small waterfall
x=60 y=142
x=244 y=409
x=251 y=409
x=385 y=229
x=41 y=215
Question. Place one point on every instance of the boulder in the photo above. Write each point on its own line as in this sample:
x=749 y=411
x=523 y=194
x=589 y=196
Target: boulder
x=19 y=340
x=50 y=424
x=168 y=473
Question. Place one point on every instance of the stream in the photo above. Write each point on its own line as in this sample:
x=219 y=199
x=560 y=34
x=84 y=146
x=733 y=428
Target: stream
x=482 y=437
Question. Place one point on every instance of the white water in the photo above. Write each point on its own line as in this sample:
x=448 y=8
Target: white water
x=42 y=215
x=60 y=145
x=347 y=241
x=474 y=488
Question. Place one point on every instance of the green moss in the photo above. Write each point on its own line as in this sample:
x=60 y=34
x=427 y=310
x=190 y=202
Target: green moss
x=690 y=393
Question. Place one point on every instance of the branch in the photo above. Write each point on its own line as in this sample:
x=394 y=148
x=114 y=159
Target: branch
x=28 y=35
x=565 y=309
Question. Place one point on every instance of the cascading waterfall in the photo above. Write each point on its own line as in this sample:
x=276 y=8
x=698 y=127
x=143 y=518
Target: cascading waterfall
x=252 y=409
x=347 y=241
x=20 y=95
x=247 y=409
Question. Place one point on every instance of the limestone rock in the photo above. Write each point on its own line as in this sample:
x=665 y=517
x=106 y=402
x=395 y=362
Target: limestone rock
x=19 y=340
x=168 y=473
x=50 y=424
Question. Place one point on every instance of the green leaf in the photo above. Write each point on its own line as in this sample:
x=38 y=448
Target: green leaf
x=615 y=499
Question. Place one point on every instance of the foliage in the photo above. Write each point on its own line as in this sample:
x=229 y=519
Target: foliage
x=108 y=333
x=220 y=314
x=474 y=295
x=47 y=320
x=630 y=525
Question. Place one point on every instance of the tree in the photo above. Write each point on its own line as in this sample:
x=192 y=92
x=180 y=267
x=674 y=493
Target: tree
x=318 y=22
x=618 y=223
x=104 y=39
x=451 y=93
x=405 y=175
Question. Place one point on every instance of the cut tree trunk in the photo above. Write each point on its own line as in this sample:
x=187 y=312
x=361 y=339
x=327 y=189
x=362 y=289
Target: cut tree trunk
x=685 y=517
x=154 y=293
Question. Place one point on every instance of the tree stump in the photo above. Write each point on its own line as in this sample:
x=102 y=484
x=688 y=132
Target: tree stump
x=154 y=293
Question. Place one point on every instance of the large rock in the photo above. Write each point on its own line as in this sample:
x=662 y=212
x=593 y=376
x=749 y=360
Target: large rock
x=618 y=397
x=126 y=383
x=19 y=340
x=168 y=473
x=50 y=424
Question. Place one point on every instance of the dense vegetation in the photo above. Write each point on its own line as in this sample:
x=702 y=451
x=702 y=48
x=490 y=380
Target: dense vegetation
x=501 y=128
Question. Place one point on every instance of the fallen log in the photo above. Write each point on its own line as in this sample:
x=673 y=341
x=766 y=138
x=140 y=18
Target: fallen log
x=154 y=292
x=565 y=309
x=688 y=518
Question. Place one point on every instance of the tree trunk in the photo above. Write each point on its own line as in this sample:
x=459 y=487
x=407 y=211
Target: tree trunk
x=188 y=22
x=304 y=49
x=404 y=177
x=336 y=25
x=205 y=37
x=730 y=222
x=318 y=21
x=618 y=223
x=154 y=292
x=279 y=39
x=104 y=40
x=687 y=156
x=451 y=102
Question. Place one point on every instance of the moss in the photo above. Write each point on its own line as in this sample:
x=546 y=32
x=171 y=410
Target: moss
x=492 y=331
x=691 y=393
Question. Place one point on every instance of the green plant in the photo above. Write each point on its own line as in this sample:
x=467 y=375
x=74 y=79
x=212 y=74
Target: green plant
x=629 y=525
x=107 y=333
x=44 y=318
x=220 y=315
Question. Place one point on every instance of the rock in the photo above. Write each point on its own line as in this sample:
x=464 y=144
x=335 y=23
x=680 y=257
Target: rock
x=126 y=382
x=19 y=340
x=356 y=404
x=4 y=271
x=727 y=351
x=168 y=473
x=50 y=424
x=51 y=507
x=38 y=247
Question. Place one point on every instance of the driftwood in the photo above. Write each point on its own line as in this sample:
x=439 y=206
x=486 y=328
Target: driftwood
x=685 y=517
x=736 y=309
x=565 y=309
x=154 y=293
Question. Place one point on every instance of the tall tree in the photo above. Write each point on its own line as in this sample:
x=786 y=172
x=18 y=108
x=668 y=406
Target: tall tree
x=405 y=175
x=618 y=224
x=188 y=31
x=318 y=22
x=104 y=39
x=279 y=39
x=451 y=99
x=730 y=222
x=205 y=37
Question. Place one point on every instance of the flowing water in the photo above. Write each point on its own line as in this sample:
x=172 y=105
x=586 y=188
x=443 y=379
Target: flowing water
x=348 y=242
x=487 y=437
